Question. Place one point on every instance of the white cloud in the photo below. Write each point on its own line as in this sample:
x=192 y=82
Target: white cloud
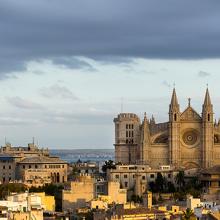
x=57 y=91
x=23 y=103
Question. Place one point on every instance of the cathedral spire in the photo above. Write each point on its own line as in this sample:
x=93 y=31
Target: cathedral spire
x=145 y=140
x=174 y=101
x=174 y=110
x=207 y=101
x=207 y=109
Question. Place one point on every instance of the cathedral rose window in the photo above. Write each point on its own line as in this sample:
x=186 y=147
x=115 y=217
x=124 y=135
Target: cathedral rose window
x=190 y=137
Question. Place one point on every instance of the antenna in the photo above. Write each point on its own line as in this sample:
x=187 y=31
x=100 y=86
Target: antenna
x=33 y=140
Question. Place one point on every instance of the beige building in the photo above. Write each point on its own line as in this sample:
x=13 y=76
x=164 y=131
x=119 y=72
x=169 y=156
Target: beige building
x=137 y=177
x=8 y=167
x=40 y=170
x=80 y=192
x=31 y=165
x=188 y=139
x=29 y=151
x=83 y=192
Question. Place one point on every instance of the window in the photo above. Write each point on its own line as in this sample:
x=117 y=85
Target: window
x=125 y=176
x=174 y=117
x=152 y=176
x=143 y=177
x=23 y=166
x=9 y=167
x=169 y=175
x=208 y=117
x=126 y=184
x=29 y=166
x=45 y=166
x=36 y=167
x=3 y=167
x=117 y=176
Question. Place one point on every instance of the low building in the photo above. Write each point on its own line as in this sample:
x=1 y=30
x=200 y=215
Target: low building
x=90 y=168
x=79 y=193
x=31 y=165
x=210 y=179
x=135 y=214
x=192 y=203
x=8 y=167
x=29 y=151
x=138 y=177
x=39 y=170
x=113 y=195
x=48 y=202
x=82 y=191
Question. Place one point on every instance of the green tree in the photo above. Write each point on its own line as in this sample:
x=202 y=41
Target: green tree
x=7 y=188
x=170 y=187
x=180 y=179
x=159 y=182
x=187 y=214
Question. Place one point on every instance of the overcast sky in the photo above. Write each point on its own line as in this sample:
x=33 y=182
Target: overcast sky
x=67 y=66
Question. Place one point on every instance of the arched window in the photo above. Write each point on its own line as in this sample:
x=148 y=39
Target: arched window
x=208 y=117
x=175 y=117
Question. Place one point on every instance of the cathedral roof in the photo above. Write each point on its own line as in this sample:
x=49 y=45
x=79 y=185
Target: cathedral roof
x=190 y=115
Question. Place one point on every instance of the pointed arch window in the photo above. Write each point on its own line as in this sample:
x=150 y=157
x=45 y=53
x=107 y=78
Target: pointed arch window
x=175 y=117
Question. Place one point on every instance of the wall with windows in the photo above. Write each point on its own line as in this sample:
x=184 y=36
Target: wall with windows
x=7 y=169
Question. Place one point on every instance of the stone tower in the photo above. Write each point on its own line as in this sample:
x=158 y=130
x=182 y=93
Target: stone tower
x=174 y=130
x=145 y=142
x=127 y=137
x=207 y=131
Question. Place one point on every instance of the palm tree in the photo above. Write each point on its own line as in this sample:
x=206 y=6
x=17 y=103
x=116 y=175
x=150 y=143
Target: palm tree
x=187 y=214
x=110 y=164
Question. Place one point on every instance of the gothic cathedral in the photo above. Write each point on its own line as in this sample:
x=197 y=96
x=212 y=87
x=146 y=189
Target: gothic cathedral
x=187 y=140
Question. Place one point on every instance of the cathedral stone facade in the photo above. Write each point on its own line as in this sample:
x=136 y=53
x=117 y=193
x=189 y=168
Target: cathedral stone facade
x=187 y=140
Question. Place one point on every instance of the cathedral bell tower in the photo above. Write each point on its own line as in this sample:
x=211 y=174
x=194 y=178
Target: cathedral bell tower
x=207 y=132
x=174 y=131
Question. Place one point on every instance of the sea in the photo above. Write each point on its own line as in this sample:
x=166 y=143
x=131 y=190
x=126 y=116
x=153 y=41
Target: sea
x=92 y=155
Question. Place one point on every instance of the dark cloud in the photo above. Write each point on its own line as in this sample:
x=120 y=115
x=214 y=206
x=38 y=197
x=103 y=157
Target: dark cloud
x=203 y=74
x=109 y=30
x=73 y=63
